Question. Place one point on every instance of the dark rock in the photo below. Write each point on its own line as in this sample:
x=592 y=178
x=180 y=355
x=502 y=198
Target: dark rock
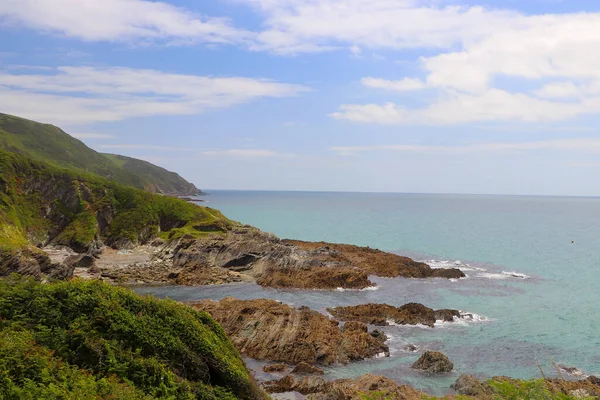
x=30 y=261
x=285 y=384
x=446 y=315
x=305 y=368
x=594 y=379
x=411 y=347
x=469 y=385
x=80 y=261
x=434 y=362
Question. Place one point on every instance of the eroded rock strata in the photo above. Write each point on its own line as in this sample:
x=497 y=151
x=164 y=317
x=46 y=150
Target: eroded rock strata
x=317 y=388
x=382 y=314
x=246 y=253
x=268 y=330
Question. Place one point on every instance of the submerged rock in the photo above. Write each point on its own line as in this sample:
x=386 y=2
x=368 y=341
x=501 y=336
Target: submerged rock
x=434 y=362
x=380 y=314
x=268 y=330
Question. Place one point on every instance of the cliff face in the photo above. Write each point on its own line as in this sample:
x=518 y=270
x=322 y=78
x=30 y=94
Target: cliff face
x=268 y=330
x=44 y=205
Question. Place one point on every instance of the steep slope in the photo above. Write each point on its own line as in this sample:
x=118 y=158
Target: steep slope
x=50 y=144
x=41 y=204
x=89 y=340
x=160 y=179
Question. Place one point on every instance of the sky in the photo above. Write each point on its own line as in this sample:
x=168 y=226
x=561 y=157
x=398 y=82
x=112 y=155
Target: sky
x=419 y=96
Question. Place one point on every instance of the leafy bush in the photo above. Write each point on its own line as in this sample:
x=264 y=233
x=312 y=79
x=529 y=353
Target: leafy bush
x=160 y=348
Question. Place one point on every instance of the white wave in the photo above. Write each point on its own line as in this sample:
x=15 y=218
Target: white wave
x=572 y=371
x=341 y=289
x=438 y=264
x=466 y=318
x=504 y=275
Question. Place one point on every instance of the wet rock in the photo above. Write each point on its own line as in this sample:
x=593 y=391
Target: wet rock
x=411 y=347
x=268 y=330
x=285 y=384
x=433 y=362
x=305 y=368
x=469 y=385
x=280 y=367
x=380 y=314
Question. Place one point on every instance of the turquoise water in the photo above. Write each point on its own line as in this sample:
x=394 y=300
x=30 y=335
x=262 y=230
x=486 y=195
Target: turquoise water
x=533 y=266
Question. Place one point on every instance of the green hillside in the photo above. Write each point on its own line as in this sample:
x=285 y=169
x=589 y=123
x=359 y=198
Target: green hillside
x=52 y=145
x=164 y=181
x=89 y=340
x=43 y=204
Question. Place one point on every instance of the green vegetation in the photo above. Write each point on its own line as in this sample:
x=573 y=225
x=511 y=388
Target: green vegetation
x=532 y=390
x=42 y=203
x=47 y=143
x=89 y=340
x=161 y=179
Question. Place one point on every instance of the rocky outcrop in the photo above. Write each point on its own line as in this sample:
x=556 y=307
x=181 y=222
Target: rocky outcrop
x=381 y=314
x=30 y=261
x=375 y=262
x=305 y=368
x=279 y=367
x=316 y=388
x=433 y=362
x=268 y=330
x=468 y=385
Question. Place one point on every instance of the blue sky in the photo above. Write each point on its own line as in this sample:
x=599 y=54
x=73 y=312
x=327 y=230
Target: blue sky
x=351 y=95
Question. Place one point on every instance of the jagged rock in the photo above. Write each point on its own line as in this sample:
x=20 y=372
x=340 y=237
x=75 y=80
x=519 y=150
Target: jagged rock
x=434 y=362
x=411 y=347
x=469 y=385
x=305 y=368
x=379 y=314
x=375 y=262
x=594 y=379
x=268 y=330
x=316 y=388
x=80 y=261
x=30 y=261
x=280 y=367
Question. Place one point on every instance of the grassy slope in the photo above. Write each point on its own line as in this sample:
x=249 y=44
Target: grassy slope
x=42 y=203
x=163 y=180
x=50 y=144
x=90 y=340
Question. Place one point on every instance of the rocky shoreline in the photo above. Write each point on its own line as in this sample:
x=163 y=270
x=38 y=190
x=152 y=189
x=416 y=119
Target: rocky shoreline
x=297 y=341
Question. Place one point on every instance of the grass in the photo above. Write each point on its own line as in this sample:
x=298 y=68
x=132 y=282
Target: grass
x=96 y=338
x=50 y=144
x=41 y=203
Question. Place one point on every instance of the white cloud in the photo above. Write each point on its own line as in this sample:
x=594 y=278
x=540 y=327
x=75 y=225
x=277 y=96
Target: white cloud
x=294 y=26
x=577 y=144
x=402 y=85
x=456 y=108
x=91 y=135
x=142 y=147
x=119 y=20
x=240 y=153
x=79 y=95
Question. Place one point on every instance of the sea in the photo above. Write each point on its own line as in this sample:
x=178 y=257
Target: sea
x=531 y=298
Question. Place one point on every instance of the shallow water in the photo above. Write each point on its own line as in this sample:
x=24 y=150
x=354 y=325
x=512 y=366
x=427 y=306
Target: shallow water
x=536 y=291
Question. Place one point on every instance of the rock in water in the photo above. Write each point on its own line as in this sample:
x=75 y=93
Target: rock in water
x=268 y=330
x=275 y=368
x=434 y=362
x=305 y=368
x=380 y=314
x=469 y=385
